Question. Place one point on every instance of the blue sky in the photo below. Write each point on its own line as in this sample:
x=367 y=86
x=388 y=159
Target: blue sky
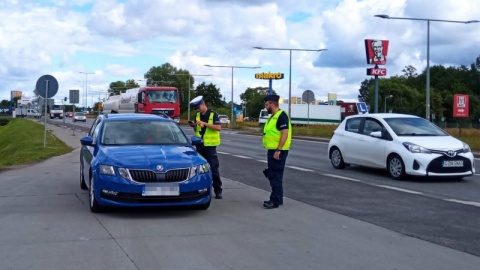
x=121 y=40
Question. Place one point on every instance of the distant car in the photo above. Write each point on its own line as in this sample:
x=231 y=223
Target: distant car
x=223 y=119
x=69 y=114
x=79 y=116
x=136 y=160
x=402 y=144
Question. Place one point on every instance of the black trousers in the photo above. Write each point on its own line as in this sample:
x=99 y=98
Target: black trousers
x=275 y=175
x=210 y=154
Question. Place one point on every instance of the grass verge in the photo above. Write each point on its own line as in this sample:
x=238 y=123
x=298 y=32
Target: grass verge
x=21 y=142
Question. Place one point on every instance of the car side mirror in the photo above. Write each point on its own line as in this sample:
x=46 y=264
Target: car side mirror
x=196 y=140
x=376 y=134
x=87 y=141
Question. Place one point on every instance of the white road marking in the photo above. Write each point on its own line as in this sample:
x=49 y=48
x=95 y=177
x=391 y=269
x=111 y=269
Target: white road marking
x=477 y=204
x=225 y=153
x=263 y=161
x=342 y=177
x=400 y=189
x=300 y=169
x=242 y=156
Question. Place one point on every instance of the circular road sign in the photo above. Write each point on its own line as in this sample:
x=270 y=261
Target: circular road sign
x=308 y=96
x=41 y=85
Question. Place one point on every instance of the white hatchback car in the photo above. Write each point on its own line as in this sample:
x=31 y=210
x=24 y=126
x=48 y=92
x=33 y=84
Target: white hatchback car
x=223 y=119
x=402 y=144
x=79 y=116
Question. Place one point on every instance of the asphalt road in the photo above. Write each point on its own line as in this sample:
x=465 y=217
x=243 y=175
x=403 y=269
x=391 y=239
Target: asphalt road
x=442 y=212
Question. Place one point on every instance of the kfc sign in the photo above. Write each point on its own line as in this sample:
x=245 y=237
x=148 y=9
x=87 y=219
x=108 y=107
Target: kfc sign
x=460 y=105
x=376 y=51
x=377 y=71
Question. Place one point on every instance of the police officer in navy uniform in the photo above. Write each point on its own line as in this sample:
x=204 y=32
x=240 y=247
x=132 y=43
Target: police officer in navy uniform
x=207 y=126
x=277 y=138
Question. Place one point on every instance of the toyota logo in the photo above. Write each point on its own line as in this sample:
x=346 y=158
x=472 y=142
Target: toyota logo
x=159 y=167
x=451 y=153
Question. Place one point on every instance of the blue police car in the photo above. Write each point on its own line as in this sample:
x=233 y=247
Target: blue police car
x=142 y=160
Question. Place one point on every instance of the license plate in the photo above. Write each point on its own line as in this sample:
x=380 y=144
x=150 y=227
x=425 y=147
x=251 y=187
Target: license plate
x=160 y=189
x=452 y=163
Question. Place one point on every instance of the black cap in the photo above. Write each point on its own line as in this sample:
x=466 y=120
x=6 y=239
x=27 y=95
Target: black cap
x=271 y=98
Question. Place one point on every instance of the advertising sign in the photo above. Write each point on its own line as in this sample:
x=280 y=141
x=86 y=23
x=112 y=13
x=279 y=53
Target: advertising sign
x=376 y=51
x=16 y=94
x=377 y=71
x=460 y=105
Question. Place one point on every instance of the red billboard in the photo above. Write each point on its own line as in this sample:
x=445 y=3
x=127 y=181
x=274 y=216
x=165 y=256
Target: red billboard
x=460 y=105
x=376 y=51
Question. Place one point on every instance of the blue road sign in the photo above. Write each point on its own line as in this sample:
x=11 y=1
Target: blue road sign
x=41 y=86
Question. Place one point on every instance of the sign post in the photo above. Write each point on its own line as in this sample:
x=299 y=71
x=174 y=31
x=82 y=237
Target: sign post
x=50 y=89
x=460 y=108
x=376 y=52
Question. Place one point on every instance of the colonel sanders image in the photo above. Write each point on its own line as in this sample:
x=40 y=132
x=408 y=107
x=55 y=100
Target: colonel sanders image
x=378 y=58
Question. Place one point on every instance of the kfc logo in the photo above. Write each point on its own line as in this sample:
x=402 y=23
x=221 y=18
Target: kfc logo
x=376 y=51
x=377 y=71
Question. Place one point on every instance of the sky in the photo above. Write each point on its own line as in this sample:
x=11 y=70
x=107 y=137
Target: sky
x=96 y=42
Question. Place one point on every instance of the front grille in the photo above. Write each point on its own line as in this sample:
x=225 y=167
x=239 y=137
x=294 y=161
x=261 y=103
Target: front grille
x=168 y=112
x=435 y=165
x=138 y=198
x=148 y=176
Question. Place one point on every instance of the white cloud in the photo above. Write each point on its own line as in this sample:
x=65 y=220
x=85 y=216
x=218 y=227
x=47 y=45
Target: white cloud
x=120 y=40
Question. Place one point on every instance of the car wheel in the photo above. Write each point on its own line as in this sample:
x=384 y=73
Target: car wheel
x=94 y=207
x=82 y=179
x=396 y=167
x=204 y=206
x=336 y=158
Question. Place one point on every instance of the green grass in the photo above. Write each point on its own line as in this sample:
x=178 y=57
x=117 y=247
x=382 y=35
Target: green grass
x=21 y=142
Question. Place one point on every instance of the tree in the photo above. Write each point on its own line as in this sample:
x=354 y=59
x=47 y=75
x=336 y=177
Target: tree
x=364 y=86
x=4 y=103
x=118 y=87
x=253 y=100
x=211 y=95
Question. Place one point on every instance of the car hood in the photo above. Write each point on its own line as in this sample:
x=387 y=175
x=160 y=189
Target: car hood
x=435 y=142
x=138 y=156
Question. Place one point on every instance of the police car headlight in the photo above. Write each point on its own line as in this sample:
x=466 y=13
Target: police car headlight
x=107 y=170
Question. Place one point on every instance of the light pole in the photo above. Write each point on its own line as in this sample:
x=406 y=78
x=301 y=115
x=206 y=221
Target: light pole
x=385 y=107
x=290 y=68
x=232 y=67
x=86 y=82
x=189 y=75
x=427 y=98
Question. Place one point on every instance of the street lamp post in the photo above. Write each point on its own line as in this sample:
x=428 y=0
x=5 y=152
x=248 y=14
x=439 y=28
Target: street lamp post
x=385 y=107
x=290 y=67
x=190 y=75
x=232 y=67
x=427 y=98
x=86 y=90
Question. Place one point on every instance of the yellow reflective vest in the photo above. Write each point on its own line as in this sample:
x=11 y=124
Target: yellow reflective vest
x=211 y=137
x=271 y=135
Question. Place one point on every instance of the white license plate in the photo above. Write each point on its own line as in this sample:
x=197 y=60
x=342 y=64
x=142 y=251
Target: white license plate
x=160 y=189
x=452 y=163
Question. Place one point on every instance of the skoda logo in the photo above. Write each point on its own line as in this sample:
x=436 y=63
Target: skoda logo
x=451 y=153
x=160 y=167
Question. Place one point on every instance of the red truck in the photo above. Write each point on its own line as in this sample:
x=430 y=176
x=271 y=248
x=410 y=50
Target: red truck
x=146 y=99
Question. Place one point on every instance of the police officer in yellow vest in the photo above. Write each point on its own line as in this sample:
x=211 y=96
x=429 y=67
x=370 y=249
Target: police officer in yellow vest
x=277 y=137
x=207 y=126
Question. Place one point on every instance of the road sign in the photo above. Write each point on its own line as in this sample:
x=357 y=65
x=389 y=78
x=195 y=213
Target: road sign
x=308 y=96
x=362 y=108
x=74 y=96
x=41 y=86
x=460 y=105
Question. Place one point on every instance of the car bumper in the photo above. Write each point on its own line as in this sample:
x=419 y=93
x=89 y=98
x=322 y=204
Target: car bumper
x=431 y=165
x=112 y=191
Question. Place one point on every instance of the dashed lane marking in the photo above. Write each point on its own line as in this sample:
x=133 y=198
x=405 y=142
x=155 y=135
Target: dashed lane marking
x=300 y=169
x=224 y=153
x=477 y=204
x=239 y=156
x=400 y=189
x=342 y=177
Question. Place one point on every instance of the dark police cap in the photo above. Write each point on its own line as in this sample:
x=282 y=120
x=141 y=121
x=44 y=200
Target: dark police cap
x=271 y=98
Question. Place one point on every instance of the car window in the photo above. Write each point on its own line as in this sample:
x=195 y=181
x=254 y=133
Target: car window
x=96 y=130
x=90 y=133
x=412 y=126
x=353 y=124
x=144 y=132
x=371 y=125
